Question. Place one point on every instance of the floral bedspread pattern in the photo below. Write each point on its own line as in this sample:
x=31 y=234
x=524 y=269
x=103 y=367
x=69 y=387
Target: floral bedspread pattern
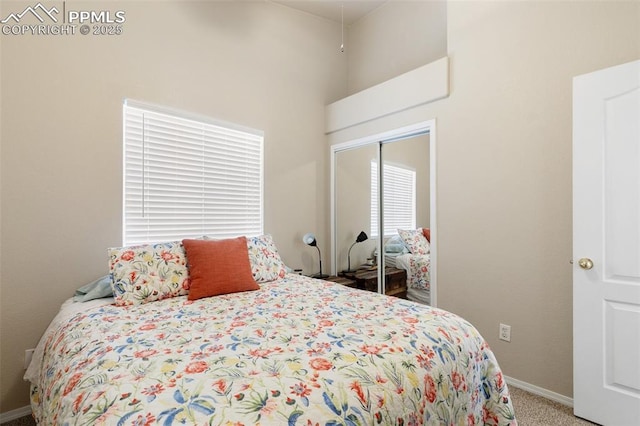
x=298 y=351
x=148 y=272
x=418 y=274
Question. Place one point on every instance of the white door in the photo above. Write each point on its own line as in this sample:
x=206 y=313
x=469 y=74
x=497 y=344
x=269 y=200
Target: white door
x=606 y=245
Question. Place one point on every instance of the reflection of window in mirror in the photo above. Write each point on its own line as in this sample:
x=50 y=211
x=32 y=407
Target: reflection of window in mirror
x=399 y=189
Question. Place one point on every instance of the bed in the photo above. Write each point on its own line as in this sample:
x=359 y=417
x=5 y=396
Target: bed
x=296 y=350
x=418 y=276
x=410 y=250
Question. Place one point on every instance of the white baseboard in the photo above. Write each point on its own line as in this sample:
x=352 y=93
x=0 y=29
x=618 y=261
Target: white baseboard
x=536 y=390
x=15 y=414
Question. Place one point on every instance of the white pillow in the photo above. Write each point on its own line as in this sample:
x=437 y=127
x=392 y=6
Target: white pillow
x=415 y=241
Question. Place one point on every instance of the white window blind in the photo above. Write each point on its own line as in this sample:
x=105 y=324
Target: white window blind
x=186 y=176
x=399 y=191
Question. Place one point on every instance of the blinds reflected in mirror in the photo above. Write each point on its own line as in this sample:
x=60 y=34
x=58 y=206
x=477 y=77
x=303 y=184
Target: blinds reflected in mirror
x=399 y=189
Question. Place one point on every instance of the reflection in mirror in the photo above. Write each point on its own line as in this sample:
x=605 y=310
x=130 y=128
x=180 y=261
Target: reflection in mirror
x=402 y=160
x=406 y=203
x=353 y=206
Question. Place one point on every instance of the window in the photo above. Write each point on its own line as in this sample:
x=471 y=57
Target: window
x=399 y=190
x=187 y=176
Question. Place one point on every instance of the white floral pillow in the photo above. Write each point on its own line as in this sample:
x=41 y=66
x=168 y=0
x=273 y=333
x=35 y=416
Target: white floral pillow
x=415 y=241
x=145 y=273
x=265 y=261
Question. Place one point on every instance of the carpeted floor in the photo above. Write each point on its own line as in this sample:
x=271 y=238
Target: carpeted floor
x=22 y=421
x=531 y=410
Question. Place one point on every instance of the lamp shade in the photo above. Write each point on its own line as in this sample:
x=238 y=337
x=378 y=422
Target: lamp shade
x=309 y=239
x=362 y=236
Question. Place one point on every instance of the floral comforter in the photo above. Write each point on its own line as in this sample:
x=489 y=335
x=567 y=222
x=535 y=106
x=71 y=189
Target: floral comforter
x=299 y=351
x=417 y=267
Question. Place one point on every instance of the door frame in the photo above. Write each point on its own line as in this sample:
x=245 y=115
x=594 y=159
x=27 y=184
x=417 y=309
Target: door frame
x=422 y=127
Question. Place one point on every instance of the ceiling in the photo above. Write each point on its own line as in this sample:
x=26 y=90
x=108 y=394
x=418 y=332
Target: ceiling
x=332 y=9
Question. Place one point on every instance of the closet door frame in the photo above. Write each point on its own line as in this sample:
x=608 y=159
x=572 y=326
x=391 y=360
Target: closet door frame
x=380 y=139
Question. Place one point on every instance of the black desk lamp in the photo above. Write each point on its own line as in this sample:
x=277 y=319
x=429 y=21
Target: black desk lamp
x=360 y=238
x=310 y=239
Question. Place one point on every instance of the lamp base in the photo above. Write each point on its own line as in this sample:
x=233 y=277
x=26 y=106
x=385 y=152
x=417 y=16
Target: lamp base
x=321 y=276
x=349 y=271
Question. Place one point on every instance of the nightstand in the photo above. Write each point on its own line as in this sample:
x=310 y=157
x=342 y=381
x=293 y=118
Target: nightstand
x=367 y=279
x=342 y=280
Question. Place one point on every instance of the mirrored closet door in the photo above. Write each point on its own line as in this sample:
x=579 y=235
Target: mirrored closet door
x=353 y=193
x=378 y=188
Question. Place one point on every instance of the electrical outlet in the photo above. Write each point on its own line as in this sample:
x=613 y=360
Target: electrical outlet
x=28 y=355
x=505 y=332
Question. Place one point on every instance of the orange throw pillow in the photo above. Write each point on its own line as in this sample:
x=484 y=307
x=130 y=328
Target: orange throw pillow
x=427 y=233
x=218 y=267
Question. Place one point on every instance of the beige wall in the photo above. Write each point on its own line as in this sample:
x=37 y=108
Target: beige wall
x=397 y=37
x=256 y=64
x=504 y=168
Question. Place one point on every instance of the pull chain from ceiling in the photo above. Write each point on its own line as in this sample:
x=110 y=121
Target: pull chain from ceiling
x=342 y=15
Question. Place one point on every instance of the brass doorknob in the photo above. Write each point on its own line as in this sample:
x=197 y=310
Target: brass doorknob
x=585 y=263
